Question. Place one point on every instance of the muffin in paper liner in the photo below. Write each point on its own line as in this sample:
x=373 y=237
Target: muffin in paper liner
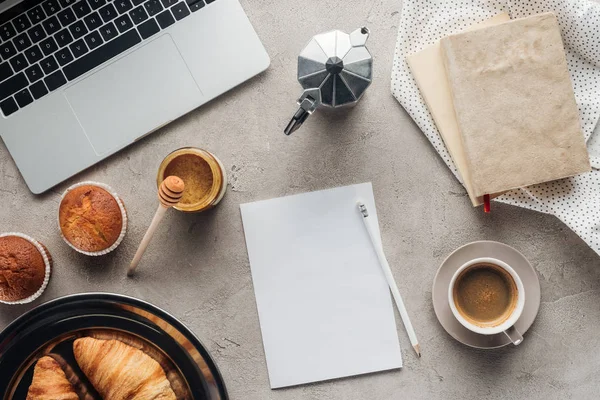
x=47 y=262
x=123 y=218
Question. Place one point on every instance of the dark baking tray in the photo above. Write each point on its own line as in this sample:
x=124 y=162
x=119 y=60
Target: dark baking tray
x=52 y=327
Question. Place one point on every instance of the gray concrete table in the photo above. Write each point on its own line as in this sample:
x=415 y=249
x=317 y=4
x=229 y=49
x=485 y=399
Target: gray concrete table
x=197 y=268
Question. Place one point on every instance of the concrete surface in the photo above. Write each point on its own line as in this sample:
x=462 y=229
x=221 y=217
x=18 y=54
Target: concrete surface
x=197 y=267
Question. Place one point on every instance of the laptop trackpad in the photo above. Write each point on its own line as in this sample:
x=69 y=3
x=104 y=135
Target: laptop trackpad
x=134 y=95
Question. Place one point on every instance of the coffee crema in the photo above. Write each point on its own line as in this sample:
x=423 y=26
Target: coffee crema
x=485 y=294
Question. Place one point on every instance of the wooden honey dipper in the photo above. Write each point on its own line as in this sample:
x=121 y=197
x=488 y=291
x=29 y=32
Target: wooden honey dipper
x=169 y=194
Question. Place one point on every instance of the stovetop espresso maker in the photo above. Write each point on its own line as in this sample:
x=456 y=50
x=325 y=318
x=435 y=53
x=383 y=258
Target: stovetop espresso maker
x=335 y=69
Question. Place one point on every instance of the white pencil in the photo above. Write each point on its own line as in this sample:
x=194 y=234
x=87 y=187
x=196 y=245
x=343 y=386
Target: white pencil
x=390 y=280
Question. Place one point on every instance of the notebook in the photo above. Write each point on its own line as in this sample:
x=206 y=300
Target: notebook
x=427 y=67
x=323 y=303
x=514 y=105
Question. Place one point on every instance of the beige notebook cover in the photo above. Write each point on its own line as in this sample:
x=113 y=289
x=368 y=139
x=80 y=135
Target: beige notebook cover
x=514 y=104
x=427 y=67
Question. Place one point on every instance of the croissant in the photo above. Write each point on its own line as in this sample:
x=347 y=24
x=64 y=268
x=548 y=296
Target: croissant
x=50 y=382
x=118 y=371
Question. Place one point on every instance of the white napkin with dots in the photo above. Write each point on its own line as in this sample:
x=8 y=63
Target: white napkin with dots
x=575 y=201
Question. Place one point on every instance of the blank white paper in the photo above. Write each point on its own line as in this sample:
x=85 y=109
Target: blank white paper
x=324 y=306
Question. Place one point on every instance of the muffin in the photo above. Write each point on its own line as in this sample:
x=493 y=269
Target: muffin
x=24 y=268
x=92 y=218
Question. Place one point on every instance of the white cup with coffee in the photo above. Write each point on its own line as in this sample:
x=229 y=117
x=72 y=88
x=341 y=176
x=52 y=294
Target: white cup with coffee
x=487 y=297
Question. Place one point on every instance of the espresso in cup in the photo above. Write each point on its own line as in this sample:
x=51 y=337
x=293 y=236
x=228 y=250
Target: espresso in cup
x=485 y=294
x=487 y=297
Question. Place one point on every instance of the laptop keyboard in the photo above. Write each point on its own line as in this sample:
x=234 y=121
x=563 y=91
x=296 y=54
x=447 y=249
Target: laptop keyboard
x=47 y=44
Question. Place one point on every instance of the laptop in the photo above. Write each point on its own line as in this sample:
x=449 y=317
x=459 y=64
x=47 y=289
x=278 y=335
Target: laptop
x=82 y=79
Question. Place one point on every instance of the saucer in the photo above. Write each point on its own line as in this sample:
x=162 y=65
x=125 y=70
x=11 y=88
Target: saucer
x=469 y=252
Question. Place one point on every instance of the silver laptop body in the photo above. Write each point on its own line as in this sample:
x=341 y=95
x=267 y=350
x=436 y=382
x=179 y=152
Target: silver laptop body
x=99 y=110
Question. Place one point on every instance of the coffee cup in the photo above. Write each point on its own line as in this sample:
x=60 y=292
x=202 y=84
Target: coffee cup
x=487 y=297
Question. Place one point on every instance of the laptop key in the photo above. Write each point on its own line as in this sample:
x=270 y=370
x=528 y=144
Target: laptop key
x=51 y=7
x=51 y=25
x=23 y=98
x=21 y=23
x=34 y=73
x=66 y=17
x=137 y=2
x=18 y=62
x=108 y=31
x=36 y=33
x=148 y=28
x=153 y=7
x=48 y=46
x=64 y=56
x=102 y=54
x=5 y=70
x=93 y=40
x=195 y=5
x=180 y=11
x=55 y=80
x=165 y=19
x=63 y=38
x=13 y=85
x=9 y=106
x=78 y=48
x=22 y=41
x=123 y=6
x=7 y=50
x=96 y=4
x=49 y=65
x=33 y=54
x=7 y=31
x=38 y=90
x=168 y=3
x=66 y=3
x=209 y=1
x=138 y=15
x=81 y=9
x=93 y=21
x=78 y=29
x=36 y=15
x=108 y=12
x=123 y=23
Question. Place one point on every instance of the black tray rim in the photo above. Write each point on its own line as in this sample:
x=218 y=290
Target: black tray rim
x=115 y=297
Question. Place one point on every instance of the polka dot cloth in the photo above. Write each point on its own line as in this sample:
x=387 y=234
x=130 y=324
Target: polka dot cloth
x=576 y=201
